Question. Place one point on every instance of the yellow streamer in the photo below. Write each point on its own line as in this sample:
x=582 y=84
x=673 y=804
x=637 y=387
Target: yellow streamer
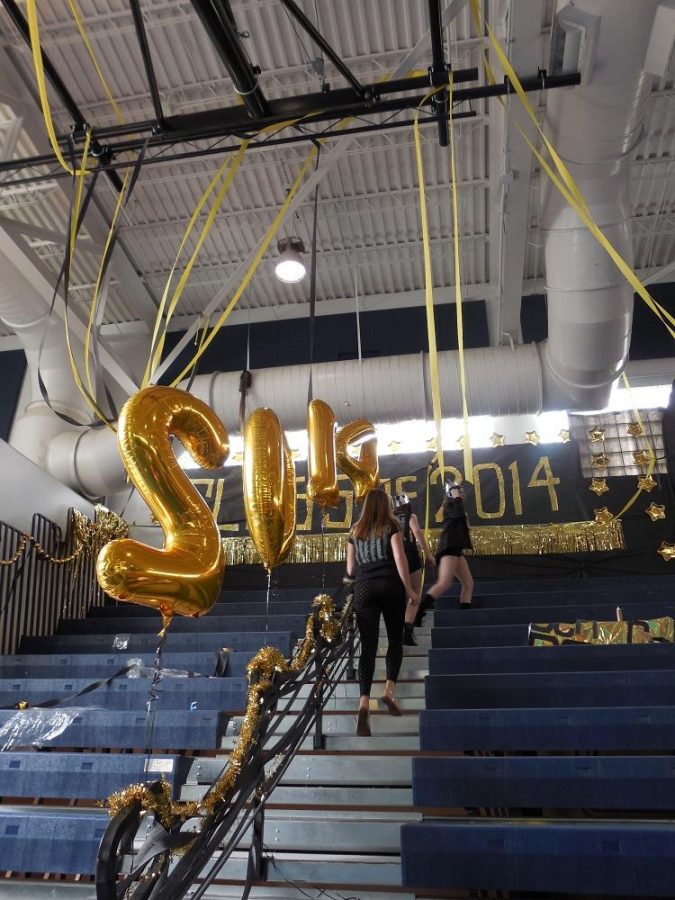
x=92 y=56
x=255 y=262
x=34 y=32
x=429 y=288
x=468 y=455
x=652 y=455
x=566 y=183
x=229 y=166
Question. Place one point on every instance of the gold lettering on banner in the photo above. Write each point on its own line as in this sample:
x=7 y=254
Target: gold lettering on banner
x=306 y=525
x=348 y=495
x=219 y=484
x=400 y=488
x=438 y=477
x=485 y=467
x=515 y=487
x=549 y=482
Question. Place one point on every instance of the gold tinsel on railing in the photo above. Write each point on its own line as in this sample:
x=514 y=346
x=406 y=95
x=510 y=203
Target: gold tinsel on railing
x=88 y=537
x=261 y=670
x=488 y=540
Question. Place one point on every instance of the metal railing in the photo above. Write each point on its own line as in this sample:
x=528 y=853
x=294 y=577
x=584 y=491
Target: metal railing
x=42 y=580
x=172 y=858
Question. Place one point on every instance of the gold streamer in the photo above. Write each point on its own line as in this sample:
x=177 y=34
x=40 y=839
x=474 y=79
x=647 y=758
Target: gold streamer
x=488 y=540
x=261 y=669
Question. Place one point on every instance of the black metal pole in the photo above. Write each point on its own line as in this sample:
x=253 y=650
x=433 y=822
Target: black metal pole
x=321 y=42
x=217 y=18
x=439 y=102
x=55 y=80
x=536 y=83
x=141 y=33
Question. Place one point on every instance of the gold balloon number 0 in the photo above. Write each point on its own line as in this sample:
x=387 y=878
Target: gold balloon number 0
x=185 y=576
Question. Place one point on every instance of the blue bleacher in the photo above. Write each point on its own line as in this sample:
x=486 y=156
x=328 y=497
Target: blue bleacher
x=645 y=609
x=635 y=859
x=97 y=665
x=150 y=624
x=64 y=843
x=638 y=728
x=485 y=636
x=535 y=782
x=130 y=693
x=555 y=689
x=228 y=608
x=207 y=641
x=617 y=596
x=102 y=728
x=566 y=658
x=84 y=776
x=590 y=583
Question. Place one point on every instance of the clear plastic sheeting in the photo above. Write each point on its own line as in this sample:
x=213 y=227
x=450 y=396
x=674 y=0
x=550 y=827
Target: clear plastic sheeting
x=140 y=670
x=30 y=728
x=121 y=642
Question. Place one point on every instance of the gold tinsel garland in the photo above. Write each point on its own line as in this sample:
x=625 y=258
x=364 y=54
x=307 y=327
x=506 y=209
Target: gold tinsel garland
x=88 y=537
x=488 y=540
x=260 y=670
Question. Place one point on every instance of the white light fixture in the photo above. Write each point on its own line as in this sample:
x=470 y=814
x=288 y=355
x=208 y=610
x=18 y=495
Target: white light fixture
x=290 y=268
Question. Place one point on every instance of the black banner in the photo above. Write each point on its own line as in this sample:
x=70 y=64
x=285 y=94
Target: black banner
x=517 y=485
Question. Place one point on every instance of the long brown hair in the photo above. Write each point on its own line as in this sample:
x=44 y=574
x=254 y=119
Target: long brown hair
x=376 y=516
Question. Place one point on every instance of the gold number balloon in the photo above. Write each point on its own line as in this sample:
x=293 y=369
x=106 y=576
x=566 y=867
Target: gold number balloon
x=364 y=471
x=186 y=575
x=322 y=484
x=269 y=487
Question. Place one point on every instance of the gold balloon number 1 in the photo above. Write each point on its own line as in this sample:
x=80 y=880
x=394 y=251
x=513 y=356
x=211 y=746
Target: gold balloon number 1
x=185 y=576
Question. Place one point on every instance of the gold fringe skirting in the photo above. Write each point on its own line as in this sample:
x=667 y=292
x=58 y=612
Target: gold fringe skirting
x=488 y=540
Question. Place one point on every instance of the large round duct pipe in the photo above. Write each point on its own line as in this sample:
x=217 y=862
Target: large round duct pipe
x=24 y=311
x=594 y=128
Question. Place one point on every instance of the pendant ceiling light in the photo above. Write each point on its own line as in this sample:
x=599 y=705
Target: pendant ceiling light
x=289 y=267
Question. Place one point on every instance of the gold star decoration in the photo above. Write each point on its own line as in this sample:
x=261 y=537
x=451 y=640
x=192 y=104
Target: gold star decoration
x=497 y=440
x=667 y=551
x=564 y=435
x=598 y=486
x=238 y=457
x=654 y=511
x=531 y=437
x=603 y=516
x=641 y=457
x=295 y=454
x=394 y=446
x=432 y=443
x=599 y=461
x=646 y=483
x=598 y=434
x=635 y=429
x=460 y=442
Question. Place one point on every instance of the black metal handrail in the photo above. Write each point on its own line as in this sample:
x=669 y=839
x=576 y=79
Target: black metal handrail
x=172 y=859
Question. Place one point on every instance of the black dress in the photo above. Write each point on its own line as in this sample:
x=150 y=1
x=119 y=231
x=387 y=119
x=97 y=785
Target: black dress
x=455 y=536
x=412 y=554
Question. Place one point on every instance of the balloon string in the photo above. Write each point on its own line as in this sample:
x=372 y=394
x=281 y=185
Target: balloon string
x=267 y=600
x=323 y=552
x=153 y=694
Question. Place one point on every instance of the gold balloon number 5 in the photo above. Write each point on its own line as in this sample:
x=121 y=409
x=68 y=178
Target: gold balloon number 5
x=185 y=576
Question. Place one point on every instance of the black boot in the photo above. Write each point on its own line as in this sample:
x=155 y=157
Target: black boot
x=409 y=635
x=428 y=602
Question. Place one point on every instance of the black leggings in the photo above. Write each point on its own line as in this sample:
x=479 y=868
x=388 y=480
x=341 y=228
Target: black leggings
x=373 y=596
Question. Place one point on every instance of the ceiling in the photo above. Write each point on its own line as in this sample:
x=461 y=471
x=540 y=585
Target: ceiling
x=368 y=222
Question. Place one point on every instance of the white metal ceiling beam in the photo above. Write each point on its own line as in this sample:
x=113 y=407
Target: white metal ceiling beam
x=97 y=223
x=16 y=226
x=520 y=26
x=329 y=160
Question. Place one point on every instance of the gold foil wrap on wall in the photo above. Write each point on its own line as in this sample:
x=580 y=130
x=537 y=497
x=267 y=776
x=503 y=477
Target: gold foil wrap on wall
x=488 y=540
x=643 y=631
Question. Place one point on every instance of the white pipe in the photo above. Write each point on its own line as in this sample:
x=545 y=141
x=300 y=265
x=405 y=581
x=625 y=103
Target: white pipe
x=594 y=128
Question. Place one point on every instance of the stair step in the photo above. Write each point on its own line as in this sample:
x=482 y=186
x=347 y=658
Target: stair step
x=323 y=769
x=342 y=723
x=295 y=796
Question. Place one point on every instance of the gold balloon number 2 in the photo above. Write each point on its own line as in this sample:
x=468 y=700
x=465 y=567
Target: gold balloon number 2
x=185 y=576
